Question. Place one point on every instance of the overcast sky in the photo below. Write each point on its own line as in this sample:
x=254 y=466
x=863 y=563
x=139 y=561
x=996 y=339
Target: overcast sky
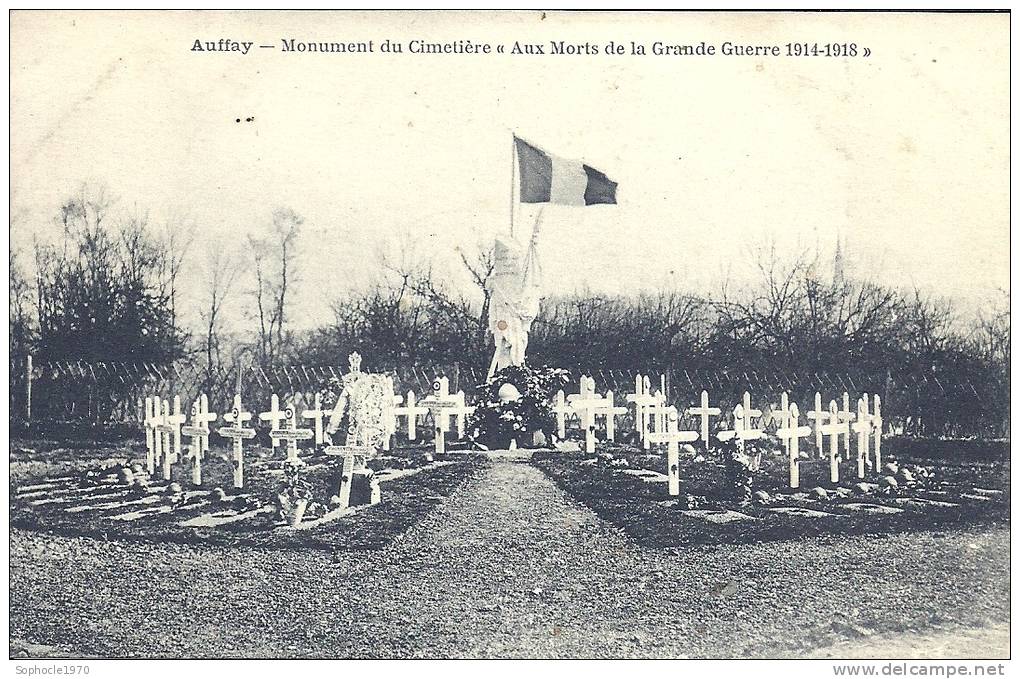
x=904 y=153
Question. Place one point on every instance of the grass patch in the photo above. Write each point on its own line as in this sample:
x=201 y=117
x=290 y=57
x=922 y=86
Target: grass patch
x=651 y=517
x=405 y=499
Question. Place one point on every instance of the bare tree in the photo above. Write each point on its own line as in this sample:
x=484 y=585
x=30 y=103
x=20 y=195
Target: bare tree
x=275 y=275
x=222 y=267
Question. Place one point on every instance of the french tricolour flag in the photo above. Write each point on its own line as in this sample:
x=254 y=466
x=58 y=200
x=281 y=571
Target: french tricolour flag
x=548 y=179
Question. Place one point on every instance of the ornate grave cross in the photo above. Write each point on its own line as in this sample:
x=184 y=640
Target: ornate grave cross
x=439 y=403
x=672 y=437
x=609 y=413
x=316 y=413
x=152 y=438
x=291 y=434
x=198 y=432
x=848 y=416
x=862 y=427
x=833 y=430
x=704 y=412
x=791 y=433
x=238 y=433
x=411 y=411
x=562 y=411
x=274 y=416
x=819 y=417
x=354 y=457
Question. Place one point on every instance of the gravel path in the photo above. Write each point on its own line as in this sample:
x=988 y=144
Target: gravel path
x=508 y=567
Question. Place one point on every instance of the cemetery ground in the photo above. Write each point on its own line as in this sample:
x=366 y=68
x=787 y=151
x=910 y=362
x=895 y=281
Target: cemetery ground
x=515 y=557
x=625 y=485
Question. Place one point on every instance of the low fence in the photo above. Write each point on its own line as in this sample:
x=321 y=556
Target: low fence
x=102 y=393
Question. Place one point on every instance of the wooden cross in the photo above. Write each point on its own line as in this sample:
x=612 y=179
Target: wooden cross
x=238 y=433
x=152 y=437
x=198 y=432
x=641 y=398
x=781 y=414
x=862 y=427
x=411 y=411
x=749 y=412
x=791 y=433
x=562 y=411
x=170 y=428
x=704 y=412
x=354 y=459
x=655 y=417
x=819 y=417
x=163 y=430
x=316 y=413
x=876 y=422
x=274 y=416
x=848 y=416
x=460 y=412
x=609 y=413
x=741 y=432
x=586 y=404
x=291 y=434
x=439 y=403
x=833 y=430
x=672 y=437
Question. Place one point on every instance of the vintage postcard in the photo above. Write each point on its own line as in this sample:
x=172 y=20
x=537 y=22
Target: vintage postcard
x=510 y=334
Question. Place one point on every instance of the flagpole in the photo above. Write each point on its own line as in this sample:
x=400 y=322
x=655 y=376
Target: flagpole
x=513 y=156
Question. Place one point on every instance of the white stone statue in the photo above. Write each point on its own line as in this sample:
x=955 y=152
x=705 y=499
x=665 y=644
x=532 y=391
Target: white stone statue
x=515 y=296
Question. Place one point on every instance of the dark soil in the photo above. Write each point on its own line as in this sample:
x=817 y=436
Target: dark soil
x=405 y=500
x=649 y=515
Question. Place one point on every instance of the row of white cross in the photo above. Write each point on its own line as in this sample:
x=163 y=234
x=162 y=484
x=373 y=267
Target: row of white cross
x=657 y=422
x=165 y=427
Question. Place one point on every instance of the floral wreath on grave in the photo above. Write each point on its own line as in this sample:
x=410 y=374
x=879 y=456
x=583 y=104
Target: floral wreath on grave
x=497 y=420
x=364 y=404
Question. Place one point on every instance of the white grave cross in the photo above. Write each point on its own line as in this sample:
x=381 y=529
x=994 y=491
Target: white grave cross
x=354 y=459
x=198 y=432
x=238 y=433
x=291 y=434
x=153 y=438
x=848 y=416
x=862 y=427
x=316 y=413
x=672 y=437
x=441 y=404
x=586 y=404
x=791 y=433
x=274 y=416
x=411 y=411
x=704 y=412
x=818 y=416
x=833 y=430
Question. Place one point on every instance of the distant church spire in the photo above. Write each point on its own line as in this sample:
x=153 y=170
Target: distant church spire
x=838 y=262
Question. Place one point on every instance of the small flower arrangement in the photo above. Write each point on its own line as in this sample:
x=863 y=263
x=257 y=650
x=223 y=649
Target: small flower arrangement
x=294 y=493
